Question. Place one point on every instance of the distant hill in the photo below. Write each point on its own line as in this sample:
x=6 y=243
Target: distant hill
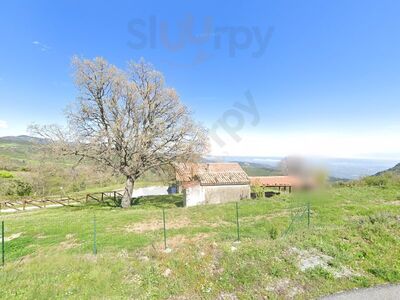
x=336 y=179
x=25 y=139
x=251 y=168
x=254 y=169
x=16 y=151
x=394 y=170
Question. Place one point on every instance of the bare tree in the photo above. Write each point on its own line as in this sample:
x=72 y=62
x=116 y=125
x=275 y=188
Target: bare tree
x=128 y=121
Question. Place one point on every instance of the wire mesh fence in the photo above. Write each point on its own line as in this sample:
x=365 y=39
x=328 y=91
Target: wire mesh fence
x=91 y=230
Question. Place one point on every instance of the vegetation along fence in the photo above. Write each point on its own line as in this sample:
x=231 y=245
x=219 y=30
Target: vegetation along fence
x=85 y=229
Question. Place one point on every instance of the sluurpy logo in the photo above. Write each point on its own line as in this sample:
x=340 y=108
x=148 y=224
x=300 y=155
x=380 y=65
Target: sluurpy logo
x=153 y=33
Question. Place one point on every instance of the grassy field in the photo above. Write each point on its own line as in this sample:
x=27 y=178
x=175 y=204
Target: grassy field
x=353 y=241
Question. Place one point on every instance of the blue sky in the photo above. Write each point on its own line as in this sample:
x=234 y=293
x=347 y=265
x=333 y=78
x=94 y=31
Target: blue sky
x=327 y=82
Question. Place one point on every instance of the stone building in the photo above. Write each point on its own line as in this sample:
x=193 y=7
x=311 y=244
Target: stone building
x=212 y=183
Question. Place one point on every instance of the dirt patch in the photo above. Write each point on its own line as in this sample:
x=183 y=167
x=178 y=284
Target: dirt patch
x=132 y=277
x=199 y=246
x=310 y=259
x=396 y=203
x=286 y=288
x=227 y=296
x=344 y=272
x=152 y=225
x=182 y=297
x=70 y=243
x=216 y=255
x=123 y=254
x=181 y=241
x=90 y=257
x=12 y=237
x=167 y=272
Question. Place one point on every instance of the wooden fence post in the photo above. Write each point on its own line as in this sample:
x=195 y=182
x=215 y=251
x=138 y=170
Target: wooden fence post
x=2 y=243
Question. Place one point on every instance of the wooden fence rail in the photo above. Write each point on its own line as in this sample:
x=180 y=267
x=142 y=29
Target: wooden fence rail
x=21 y=205
x=100 y=197
x=105 y=197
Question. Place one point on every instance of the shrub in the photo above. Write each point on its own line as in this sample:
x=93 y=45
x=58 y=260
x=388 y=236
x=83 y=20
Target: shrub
x=6 y=174
x=258 y=190
x=383 y=180
x=19 y=188
x=376 y=180
x=273 y=233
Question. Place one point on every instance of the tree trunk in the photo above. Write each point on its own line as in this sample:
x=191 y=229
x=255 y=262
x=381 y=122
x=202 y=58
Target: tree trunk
x=126 y=200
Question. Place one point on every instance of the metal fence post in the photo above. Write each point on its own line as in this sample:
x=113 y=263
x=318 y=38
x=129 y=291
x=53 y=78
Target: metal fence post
x=94 y=236
x=2 y=243
x=165 y=230
x=237 y=222
x=308 y=214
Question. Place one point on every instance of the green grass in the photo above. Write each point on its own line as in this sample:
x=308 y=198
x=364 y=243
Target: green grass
x=358 y=227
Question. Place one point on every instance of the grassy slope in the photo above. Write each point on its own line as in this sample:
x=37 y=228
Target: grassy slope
x=358 y=227
x=19 y=153
x=394 y=170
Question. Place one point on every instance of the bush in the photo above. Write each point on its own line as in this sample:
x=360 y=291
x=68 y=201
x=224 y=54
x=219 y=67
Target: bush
x=6 y=174
x=273 y=233
x=383 y=180
x=376 y=180
x=258 y=190
x=19 y=188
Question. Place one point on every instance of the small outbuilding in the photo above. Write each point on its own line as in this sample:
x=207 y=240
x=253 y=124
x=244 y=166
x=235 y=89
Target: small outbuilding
x=212 y=183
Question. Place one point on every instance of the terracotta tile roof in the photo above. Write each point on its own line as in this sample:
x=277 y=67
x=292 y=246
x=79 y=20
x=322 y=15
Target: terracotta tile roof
x=212 y=173
x=276 y=181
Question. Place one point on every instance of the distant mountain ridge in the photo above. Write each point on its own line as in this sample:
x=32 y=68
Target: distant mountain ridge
x=23 y=146
x=251 y=168
x=254 y=169
x=26 y=139
x=394 y=170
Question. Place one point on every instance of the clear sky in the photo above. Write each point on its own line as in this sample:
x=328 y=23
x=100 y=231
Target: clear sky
x=324 y=76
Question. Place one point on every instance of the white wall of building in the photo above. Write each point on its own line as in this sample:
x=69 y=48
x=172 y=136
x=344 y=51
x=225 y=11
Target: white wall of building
x=198 y=195
x=150 y=191
x=194 y=195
